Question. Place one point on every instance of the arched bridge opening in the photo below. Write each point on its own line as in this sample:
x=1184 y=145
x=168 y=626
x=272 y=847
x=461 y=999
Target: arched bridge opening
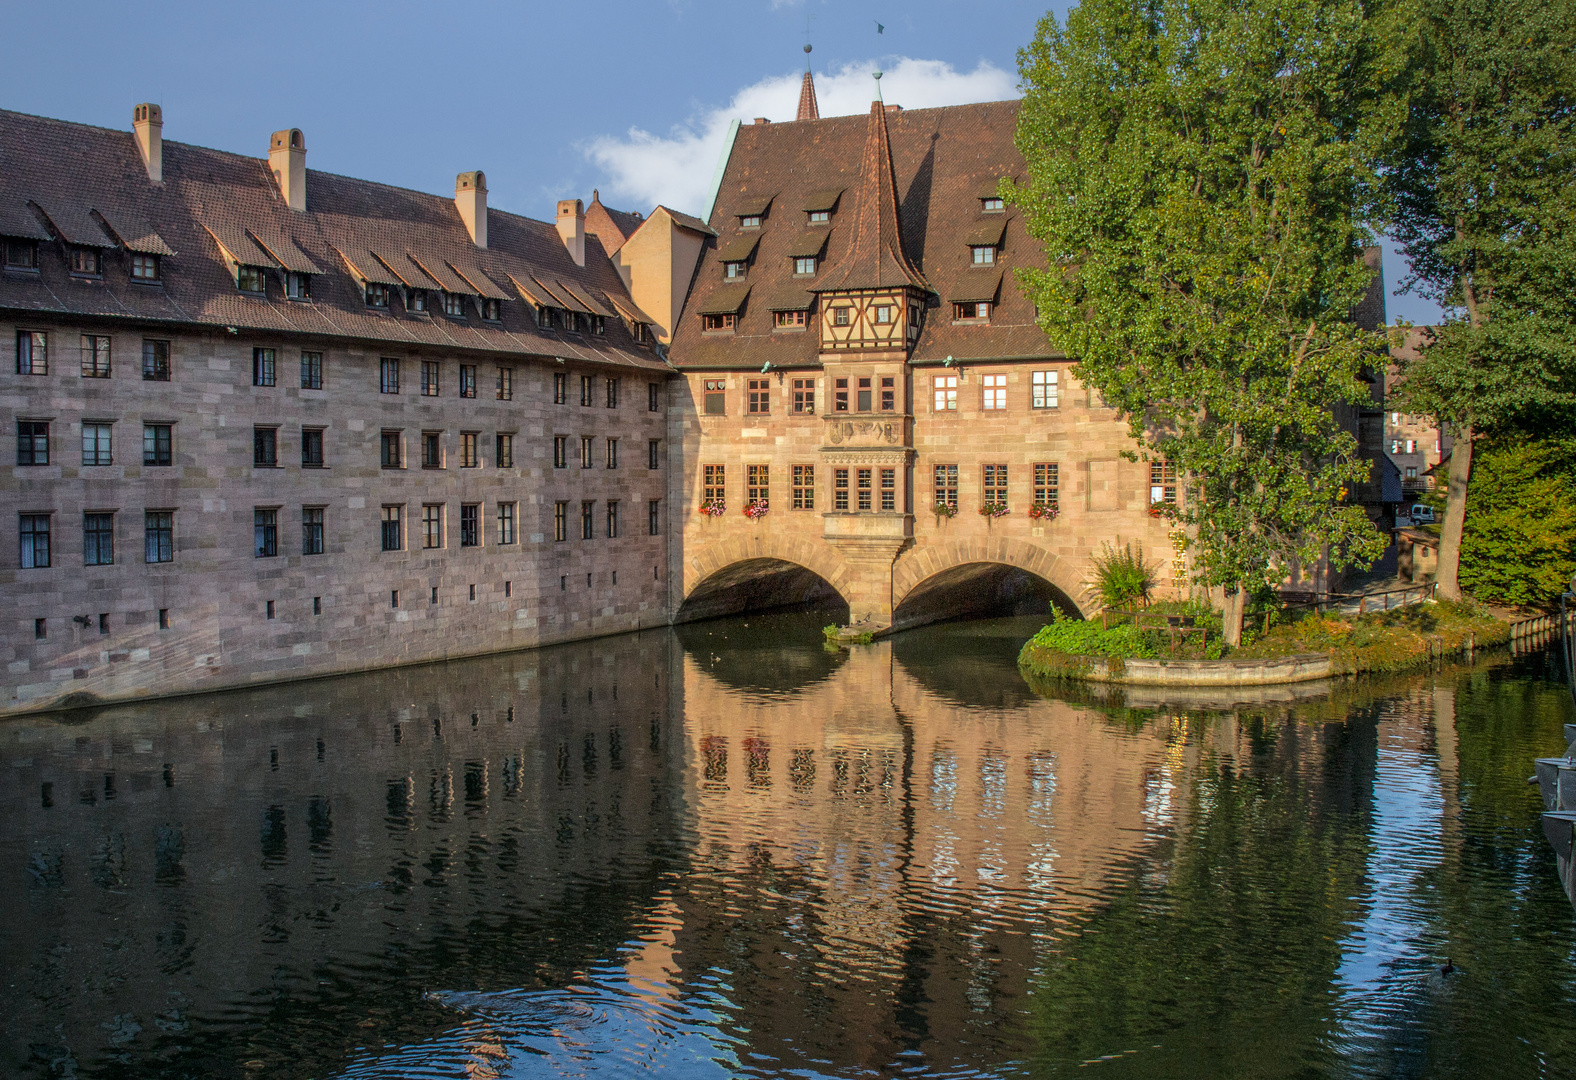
x=761 y=584
x=976 y=590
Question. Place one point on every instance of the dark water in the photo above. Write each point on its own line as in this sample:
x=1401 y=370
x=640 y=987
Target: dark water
x=724 y=851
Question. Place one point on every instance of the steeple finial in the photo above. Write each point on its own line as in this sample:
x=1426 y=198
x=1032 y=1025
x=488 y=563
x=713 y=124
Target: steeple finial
x=808 y=109
x=878 y=87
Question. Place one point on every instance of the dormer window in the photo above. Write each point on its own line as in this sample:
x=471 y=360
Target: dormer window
x=454 y=305
x=750 y=221
x=804 y=266
x=640 y=332
x=575 y=320
x=21 y=254
x=733 y=270
x=145 y=268
x=492 y=310
x=713 y=323
x=377 y=295
x=598 y=325
x=790 y=320
x=298 y=286
x=992 y=204
x=820 y=217
x=251 y=279
x=972 y=311
x=984 y=254
x=85 y=260
x=416 y=300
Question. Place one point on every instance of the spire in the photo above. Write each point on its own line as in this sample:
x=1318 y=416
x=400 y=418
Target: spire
x=875 y=258
x=807 y=106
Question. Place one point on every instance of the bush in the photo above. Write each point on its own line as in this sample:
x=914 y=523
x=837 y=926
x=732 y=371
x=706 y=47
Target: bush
x=1519 y=544
x=1123 y=577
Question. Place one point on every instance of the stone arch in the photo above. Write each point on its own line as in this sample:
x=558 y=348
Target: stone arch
x=921 y=564
x=763 y=551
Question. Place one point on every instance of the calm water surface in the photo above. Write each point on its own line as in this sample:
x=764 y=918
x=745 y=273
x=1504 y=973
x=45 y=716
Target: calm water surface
x=723 y=851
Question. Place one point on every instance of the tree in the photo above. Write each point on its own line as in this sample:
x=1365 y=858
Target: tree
x=1480 y=184
x=1519 y=546
x=1195 y=178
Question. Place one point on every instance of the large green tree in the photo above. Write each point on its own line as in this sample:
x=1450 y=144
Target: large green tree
x=1480 y=180
x=1519 y=545
x=1195 y=177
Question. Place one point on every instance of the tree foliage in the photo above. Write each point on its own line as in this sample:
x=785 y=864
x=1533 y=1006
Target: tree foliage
x=1195 y=178
x=1520 y=541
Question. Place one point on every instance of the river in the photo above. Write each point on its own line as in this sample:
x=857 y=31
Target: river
x=722 y=850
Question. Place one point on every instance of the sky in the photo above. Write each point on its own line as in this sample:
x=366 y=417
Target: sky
x=550 y=100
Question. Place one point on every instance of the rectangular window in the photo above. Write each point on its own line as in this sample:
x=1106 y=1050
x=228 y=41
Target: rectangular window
x=311 y=448
x=888 y=489
x=946 y=486
x=32 y=352
x=984 y=255
x=653 y=453
x=377 y=295
x=429 y=378
x=803 y=487
x=1043 y=392
x=994 y=388
x=454 y=305
x=612 y=519
x=586 y=443
x=388 y=375
x=804 y=265
x=311 y=371
x=864 y=395
x=265 y=533
x=98 y=539
x=612 y=453
x=560 y=451
x=470 y=450
x=95 y=356
x=716 y=397
x=734 y=270
x=298 y=286
x=392 y=450
x=888 y=393
x=714 y=485
x=252 y=279
x=718 y=322
x=506 y=520
x=85 y=260
x=1162 y=483
x=145 y=268
x=394 y=529
x=96 y=444
x=432 y=449
x=839 y=489
x=262 y=367
x=759 y=400
x=158 y=444
x=839 y=395
x=503 y=451
x=156 y=361
x=840 y=315
x=972 y=311
x=996 y=485
x=804 y=395
x=492 y=310
x=311 y=530
x=470 y=525
x=946 y=391
x=467 y=380
x=158 y=536
x=654 y=517
x=790 y=320
x=432 y=525
x=588 y=520
x=560 y=521
x=265 y=446
x=560 y=388
x=505 y=384
x=32 y=442
x=885 y=314
x=863 y=488
x=35 y=541
x=587 y=385
x=757 y=485
x=1047 y=484
x=612 y=393
x=21 y=254
x=653 y=393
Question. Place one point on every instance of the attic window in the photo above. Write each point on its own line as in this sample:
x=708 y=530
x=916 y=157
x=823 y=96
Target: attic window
x=790 y=320
x=820 y=217
x=750 y=221
x=992 y=204
x=733 y=270
x=575 y=320
x=251 y=279
x=984 y=254
x=640 y=332
x=719 y=322
x=972 y=311
x=454 y=305
x=21 y=254
x=598 y=325
x=805 y=265
x=416 y=300
x=145 y=268
x=377 y=295
x=492 y=310
x=298 y=286
x=85 y=260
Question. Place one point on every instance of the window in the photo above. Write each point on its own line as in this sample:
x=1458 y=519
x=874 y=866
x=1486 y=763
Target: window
x=612 y=453
x=803 y=487
x=158 y=536
x=992 y=204
x=416 y=301
x=653 y=453
x=432 y=449
x=429 y=378
x=587 y=385
x=454 y=305
x=888 y=393
x=804 y=395
x=640 y=332
x=432 y=525
x=612 y=519
x=503 y=451
x=1046 y=483
x=492 y=311
x=156 y=361
x=157 y=444
x=863 y=488
x=840 y=395
x=588 y=520
x=32 y=352
x=586 y=442
x=311 y=530
x=21 y=254
x=95 y=356
x=1043 y=390
x=984 y=254
x=40 y=629
x=505 y=384
x=262 y=367
x=467 y=380
x=575 y=320
x=265 y=533
x=98 y=539
x=840 y=315
x=713 y=491
x=654 y=517
x=311 y=448
x=1411 y=472
x=716 y=397
x=757 y=485
x=311 y=371
x=32 y=442
x=718 y=322
x=1162 y=483
x=560 y=521
x=972 y=310
x=265 y=446
x=145 y=268
x=388 y=375
x=653 y=394
x=96 y=444
x=994 y=389
x=839 y=489
x=298 y=286
x=760 y=398
x=820 y=217
x=394 y=531
x=392 y=445
x=35 y=541
x=250 y=279
x=1411 y=446
x=470 y=450
x=888 y=489
x=560 y=388
x=946 y=486
x=560 y=451
x=996 y=484
x=885 y=314
x=790 y=320
x=804 y=265
x=506 y=520
x=612 y=393
x=546 y=317
x=470 y=525
x=750 y=221
x=864 y=395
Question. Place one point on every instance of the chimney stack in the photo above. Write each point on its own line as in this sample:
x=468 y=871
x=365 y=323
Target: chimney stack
x=470 y=197
x=572 y=228
x=147 y=121
x=287 y=161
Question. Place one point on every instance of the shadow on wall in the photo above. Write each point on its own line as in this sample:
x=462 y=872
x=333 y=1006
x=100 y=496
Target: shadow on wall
x=761 y=585
x=980 y=590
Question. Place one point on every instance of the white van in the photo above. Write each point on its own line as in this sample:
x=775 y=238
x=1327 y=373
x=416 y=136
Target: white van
x=1421 y=514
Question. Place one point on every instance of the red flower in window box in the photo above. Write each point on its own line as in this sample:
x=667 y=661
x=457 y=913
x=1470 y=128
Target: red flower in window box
x=994 y=510
x=1157 y=509
x=1044 y=511
x=714 y=508
x=755 y=510
x=946 y=510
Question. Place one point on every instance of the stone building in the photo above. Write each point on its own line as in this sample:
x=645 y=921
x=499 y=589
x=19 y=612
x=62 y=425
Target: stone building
x=1414 y=446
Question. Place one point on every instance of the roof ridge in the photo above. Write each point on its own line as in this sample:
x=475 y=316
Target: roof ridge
x=876 y=258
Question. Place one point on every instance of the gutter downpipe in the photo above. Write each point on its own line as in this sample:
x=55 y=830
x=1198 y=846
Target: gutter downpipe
x=722 y=167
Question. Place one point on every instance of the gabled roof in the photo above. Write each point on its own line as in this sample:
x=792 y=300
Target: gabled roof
x=612 y=227
x=875 y=258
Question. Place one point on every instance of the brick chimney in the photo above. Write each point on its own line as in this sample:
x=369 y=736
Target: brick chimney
x=470 y=197
x=287 y=161
x=572 y=228
x=147 y=121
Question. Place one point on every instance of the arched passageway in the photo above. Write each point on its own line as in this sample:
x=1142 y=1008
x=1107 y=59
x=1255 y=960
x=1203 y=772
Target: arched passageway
x=760 y=584
x=979 y=590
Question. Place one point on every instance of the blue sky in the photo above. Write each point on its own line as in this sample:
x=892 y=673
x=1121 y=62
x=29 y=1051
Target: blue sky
x=550 y=100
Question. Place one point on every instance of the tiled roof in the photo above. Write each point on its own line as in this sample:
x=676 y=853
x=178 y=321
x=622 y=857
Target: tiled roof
x=808 y=109
x=943 y=161
x=875 y=258
x=209 y=198
x=611 y=226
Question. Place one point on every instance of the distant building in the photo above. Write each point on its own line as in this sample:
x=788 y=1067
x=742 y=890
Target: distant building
x=1413 y=445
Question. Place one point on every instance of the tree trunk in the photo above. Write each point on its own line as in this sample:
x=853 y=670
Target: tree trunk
x=1455 y=515
x=1235 y=601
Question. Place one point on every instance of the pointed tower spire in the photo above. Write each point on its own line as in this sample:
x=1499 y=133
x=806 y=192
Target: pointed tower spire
x=807 y=106
x=875 y=257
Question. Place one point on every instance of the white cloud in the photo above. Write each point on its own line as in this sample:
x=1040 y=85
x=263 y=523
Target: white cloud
x=676 y=170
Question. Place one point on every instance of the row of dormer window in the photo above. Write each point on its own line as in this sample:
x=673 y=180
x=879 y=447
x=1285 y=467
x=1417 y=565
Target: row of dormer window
x=83 y=261
x=989 y=204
